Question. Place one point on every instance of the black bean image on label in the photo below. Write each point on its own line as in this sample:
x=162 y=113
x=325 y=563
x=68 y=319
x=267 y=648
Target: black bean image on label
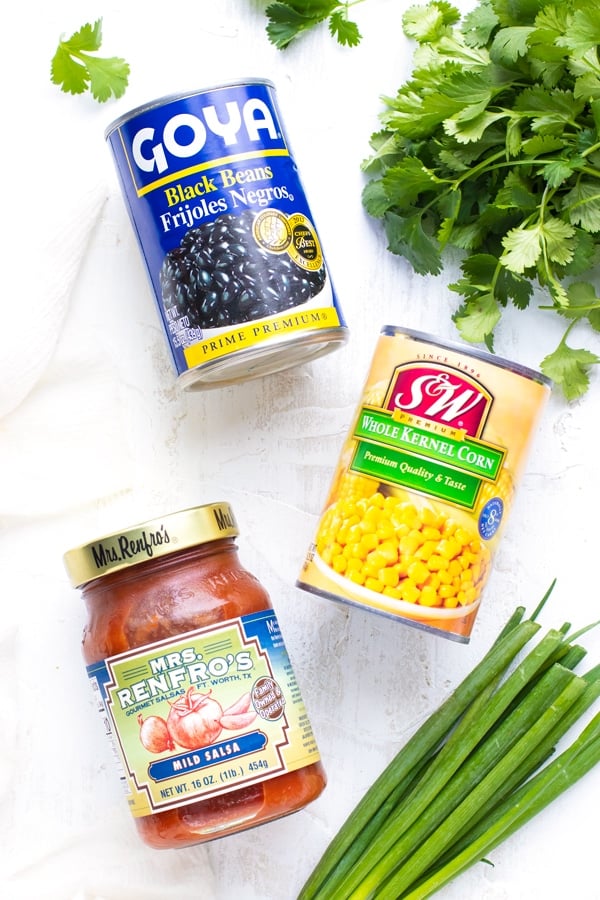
x=220 y=276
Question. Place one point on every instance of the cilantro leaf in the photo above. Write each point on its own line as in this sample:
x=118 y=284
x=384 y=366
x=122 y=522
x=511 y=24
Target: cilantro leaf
x=524 y=245
x=558 y=240
x=551 y=22
x=582 y=303
x=569 y=367
x=466 y=127
x=481 y=268
x=583 y=205
x=287 y=20
x=428 y=23
x=71 y=75
x=585 y=253
x=522 y=248
x=509 y=44
x=407 y=237
x=515 y=193
x=521 y=12
x=478 y=25
x=550 y=111
x=343 y=29
x=583 y=31
x=558 y=171
x=484 y=275
x=542 y=144
x=89 y=37
x=587 y=86
x=477 y=319
x=108 y=77
x=75 y=70
x=449 y=209
x=408 y=179
x=467 y=237
x=386 y=151
x=375 y=199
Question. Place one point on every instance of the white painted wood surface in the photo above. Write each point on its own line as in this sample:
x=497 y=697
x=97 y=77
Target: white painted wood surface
x=105 y=438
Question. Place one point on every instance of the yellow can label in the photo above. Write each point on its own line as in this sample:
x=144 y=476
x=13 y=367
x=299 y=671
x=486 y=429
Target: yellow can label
x=256 y=333
x=425 y=481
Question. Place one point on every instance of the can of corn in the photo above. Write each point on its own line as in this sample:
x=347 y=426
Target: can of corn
x=425 y=481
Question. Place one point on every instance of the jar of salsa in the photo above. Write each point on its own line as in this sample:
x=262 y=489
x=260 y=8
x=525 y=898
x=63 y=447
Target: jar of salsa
x=193 y=680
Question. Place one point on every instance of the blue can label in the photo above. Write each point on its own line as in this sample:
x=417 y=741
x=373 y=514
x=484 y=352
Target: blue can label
x=230 y=246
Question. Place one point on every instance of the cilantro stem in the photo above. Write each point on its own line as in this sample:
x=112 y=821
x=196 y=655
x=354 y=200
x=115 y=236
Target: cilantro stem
x=548 y=270
x=591 y=149
x=490 y=164
x=567 y=332
x=483 y=166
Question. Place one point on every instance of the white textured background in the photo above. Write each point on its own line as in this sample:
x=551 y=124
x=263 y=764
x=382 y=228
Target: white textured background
x=95 y=435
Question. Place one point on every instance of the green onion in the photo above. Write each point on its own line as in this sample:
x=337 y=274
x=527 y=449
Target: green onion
x=471 y=774
x=424 y=741
x=514 y=811
x=439 y=840
x=534 y=796
x=424 y=807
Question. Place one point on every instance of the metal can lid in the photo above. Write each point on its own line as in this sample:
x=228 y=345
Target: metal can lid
x=469 y=350
x=167 y=99
x=150 y=540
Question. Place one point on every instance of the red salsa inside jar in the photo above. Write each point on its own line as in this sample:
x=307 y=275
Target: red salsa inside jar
x=193 y=680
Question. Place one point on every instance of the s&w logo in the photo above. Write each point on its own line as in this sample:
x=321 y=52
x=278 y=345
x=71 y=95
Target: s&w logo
x=440 y=394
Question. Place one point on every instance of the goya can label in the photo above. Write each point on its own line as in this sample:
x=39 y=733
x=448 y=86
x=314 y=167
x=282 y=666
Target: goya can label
x=230 y=246
x=425 y=482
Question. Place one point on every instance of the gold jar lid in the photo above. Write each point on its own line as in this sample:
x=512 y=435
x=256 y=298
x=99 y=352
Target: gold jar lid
x=150 y=540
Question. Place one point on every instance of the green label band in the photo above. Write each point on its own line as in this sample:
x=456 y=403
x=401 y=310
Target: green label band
x=465 y=454
x=448 y=467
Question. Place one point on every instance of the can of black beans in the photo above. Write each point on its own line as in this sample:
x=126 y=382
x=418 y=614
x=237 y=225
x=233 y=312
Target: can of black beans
x=233 y=256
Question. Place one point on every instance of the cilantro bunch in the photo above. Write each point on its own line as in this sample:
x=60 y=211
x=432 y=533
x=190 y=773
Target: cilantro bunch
x=288 y=19
x=492 y=146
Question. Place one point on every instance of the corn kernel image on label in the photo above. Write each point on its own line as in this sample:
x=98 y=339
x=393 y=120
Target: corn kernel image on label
x=425 y=482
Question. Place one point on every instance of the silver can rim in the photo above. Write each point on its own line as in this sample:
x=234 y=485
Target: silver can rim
x=166 y=99
x=466 y=349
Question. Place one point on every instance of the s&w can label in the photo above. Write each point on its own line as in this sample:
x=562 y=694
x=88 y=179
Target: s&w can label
x=425 y=482
x=230 y=246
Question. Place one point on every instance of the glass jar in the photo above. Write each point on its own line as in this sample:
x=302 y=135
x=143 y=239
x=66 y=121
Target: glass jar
x=192 y=680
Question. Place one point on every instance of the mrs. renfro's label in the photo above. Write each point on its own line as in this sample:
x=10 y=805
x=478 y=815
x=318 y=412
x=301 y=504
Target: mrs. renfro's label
x=209 y=711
